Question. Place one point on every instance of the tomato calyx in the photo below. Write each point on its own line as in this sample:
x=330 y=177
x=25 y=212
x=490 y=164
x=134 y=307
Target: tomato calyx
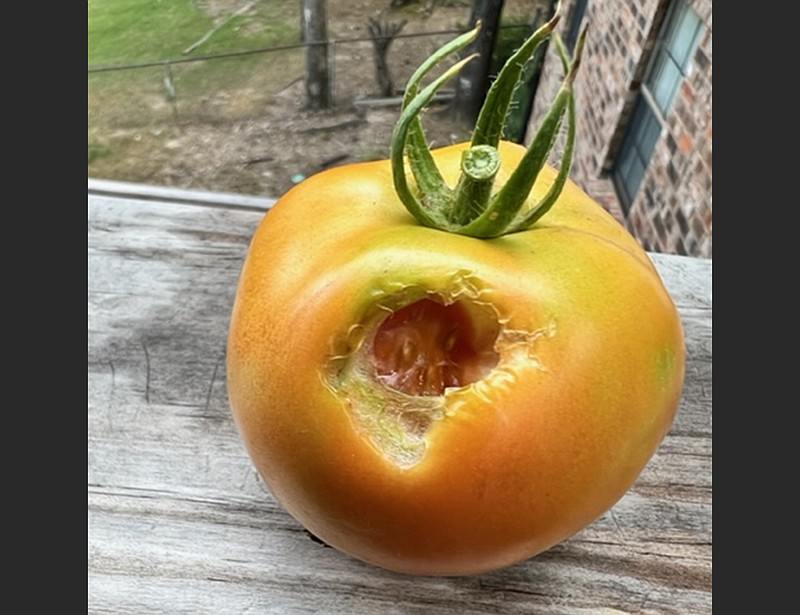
x=471 y=207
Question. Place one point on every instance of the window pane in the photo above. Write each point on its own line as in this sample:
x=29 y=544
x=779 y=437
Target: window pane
x=672 y=55
x=637 y=122
x=643 y=133
x=650 y=133
x=625 y=162
x=664 y=83
x=672 y=24
x=634 y=178
x=683 y=37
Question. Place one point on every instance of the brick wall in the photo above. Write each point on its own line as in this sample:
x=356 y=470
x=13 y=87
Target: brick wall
x=671 y=212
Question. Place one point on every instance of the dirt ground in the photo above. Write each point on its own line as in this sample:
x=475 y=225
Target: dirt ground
x=266 y=153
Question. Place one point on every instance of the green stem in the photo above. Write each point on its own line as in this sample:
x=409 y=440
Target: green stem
x=501 y=215
x=425 y=215
x=471 y=209
x=541 y=208
x=552 y=195
x=512 y=196
x=479 y=165
x=432 y=188
x=492 y=116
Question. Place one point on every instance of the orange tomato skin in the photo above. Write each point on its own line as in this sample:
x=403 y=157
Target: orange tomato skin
x=519 y=461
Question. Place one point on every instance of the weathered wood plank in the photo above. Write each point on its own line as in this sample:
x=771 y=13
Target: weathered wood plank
x=179 y=521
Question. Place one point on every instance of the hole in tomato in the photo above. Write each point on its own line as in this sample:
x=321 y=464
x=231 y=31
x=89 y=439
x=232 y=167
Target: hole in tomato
x=427 y=347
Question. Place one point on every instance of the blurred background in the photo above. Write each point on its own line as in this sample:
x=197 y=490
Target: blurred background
x=252 y=96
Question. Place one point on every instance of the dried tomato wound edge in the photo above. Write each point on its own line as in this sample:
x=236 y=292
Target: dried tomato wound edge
x=423 y=359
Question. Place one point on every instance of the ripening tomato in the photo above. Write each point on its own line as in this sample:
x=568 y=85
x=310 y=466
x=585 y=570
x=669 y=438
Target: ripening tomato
x=434 y=394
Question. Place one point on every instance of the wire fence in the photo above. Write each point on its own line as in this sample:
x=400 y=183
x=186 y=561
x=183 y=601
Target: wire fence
x=204 y=87
x=330 y=43
x=233 y=121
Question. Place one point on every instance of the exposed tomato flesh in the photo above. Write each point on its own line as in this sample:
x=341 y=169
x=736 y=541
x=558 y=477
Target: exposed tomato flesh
x=426 y=347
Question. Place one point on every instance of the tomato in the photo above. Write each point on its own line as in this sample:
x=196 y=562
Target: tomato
x=439 y=403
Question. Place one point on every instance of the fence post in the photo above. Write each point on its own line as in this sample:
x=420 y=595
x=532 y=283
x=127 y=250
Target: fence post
x=315 y=34
x=473 y=81
x=331 y=72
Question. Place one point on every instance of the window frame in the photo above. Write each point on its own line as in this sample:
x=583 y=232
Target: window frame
x=649 y=107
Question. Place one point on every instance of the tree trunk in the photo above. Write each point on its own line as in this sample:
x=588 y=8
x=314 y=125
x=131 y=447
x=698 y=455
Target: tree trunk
x=315 y=32
x=383 y=33
x=473 y=81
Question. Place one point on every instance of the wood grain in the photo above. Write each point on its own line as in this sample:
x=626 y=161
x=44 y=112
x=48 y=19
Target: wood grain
x=179 y=522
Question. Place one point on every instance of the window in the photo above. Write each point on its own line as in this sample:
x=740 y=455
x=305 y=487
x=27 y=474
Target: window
x=671 y=56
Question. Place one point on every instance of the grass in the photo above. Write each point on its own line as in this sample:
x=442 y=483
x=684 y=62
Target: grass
x=97 y=150
x=126 y=32
x=131 y=31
